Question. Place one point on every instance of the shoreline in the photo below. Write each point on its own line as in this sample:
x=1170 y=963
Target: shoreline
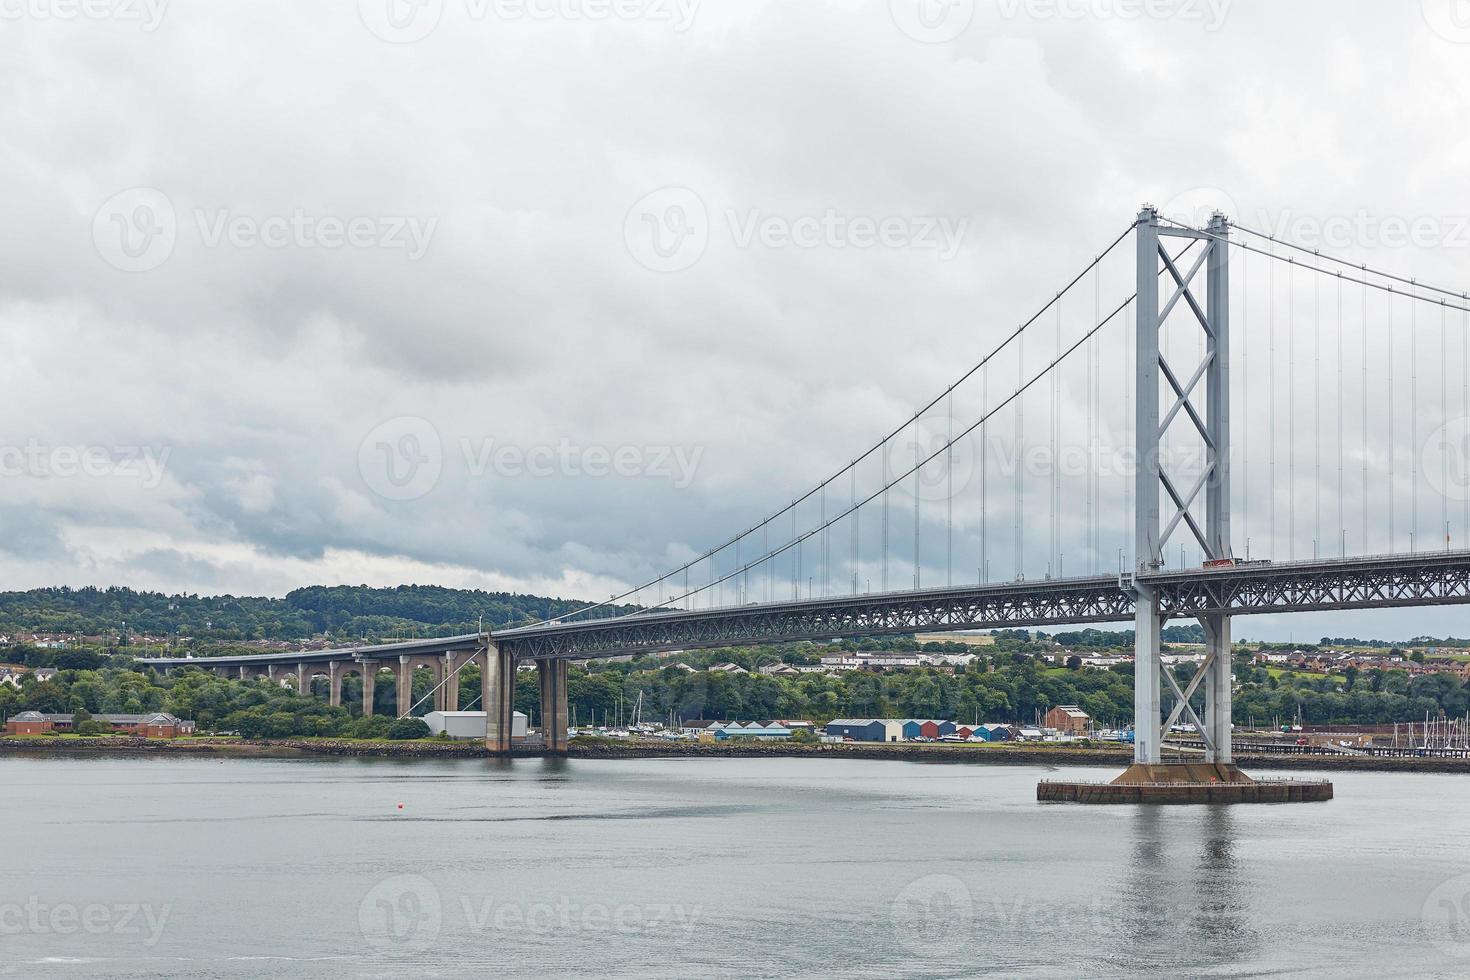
x=288 y=748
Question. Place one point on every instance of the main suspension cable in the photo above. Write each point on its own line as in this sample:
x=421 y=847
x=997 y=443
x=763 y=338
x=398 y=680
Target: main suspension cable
x=1014 y=335
x=1013 y=396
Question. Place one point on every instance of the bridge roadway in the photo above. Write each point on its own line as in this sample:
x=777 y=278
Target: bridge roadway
x=1373 y=582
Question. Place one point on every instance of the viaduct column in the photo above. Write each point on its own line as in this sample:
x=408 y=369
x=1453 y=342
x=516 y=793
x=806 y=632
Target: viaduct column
x=334 y=684
x=449 y=694
x=369 y=680
x=405 y=685
x=303 y=679
x=553 y=677
x=498 y=694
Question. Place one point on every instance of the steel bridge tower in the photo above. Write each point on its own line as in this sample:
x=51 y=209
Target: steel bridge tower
x=1210 y=431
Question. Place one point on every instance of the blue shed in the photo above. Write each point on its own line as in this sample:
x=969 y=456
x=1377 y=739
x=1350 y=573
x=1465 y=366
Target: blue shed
x=857 y=729
x=911 y=729
x=947 y=728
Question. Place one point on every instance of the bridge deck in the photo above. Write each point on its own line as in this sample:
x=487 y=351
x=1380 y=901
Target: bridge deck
x=1373 y=582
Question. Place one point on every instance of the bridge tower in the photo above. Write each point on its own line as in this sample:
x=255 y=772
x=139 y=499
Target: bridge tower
x=1207 y=252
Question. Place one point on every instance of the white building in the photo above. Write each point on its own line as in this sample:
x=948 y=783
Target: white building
x=470 y=724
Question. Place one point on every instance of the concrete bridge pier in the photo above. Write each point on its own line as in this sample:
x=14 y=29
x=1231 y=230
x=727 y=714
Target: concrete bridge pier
x=553 y=676
x=498 y=694
x=369 y=681
x=405 y=684
x=448 y=697
x=334 y=684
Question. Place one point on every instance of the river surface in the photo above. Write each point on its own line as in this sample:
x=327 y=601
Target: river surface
x=708 y=868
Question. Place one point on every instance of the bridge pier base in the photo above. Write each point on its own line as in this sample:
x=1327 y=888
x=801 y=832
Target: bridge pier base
x=498 y=694
x=553 y=677
x=334 y=685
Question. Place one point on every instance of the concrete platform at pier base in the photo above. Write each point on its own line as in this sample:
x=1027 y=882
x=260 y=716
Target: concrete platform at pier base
x=1184 y=783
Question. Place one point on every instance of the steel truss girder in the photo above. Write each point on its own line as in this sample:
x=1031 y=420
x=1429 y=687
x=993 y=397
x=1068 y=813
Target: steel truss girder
x=1363 y=584
x=1424 y=579
x=1096 y=600
x=1374 y=584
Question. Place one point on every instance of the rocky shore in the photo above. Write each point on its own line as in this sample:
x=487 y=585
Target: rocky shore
x=584 y=748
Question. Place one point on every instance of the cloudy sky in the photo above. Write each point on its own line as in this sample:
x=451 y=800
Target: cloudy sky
x=549 y=295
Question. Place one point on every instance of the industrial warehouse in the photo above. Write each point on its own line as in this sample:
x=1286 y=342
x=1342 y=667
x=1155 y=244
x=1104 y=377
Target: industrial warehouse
x=1060 y=723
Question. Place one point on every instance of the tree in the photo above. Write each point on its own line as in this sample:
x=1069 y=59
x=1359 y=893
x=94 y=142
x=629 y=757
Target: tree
x=403 y=729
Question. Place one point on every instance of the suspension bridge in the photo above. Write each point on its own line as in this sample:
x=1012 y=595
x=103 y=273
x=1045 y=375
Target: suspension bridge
x=1107 y=435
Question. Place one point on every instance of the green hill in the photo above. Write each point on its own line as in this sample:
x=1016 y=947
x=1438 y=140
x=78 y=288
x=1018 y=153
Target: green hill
x=350 y=612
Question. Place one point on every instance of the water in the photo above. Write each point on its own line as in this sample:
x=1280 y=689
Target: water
x=695 y=868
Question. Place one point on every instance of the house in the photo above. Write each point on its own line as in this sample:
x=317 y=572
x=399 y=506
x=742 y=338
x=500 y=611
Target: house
x=12 y=673
x=728 y=668
x=1067 y=719
x=858 y=729
x=158 y=724
x=969 y=639
x=154 y=724
x=29 y=723
x=780 y=670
